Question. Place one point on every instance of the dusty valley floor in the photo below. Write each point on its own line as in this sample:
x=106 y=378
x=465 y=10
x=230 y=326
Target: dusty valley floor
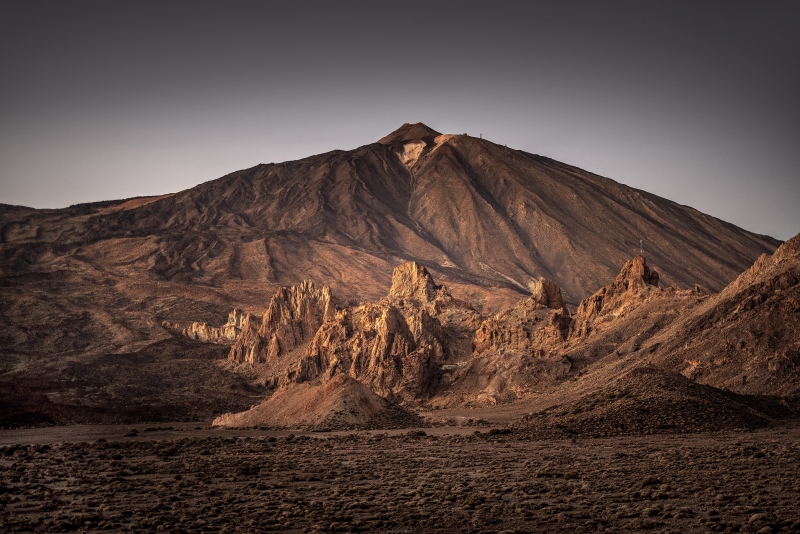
x=185 y=478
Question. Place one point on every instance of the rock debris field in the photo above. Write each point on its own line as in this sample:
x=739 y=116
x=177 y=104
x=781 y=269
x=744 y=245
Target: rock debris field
x=138 y=479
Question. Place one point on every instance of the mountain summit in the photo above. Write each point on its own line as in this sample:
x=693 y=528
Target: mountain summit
x=409 y=132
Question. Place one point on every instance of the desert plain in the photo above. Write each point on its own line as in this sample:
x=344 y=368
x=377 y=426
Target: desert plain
x=485 y=478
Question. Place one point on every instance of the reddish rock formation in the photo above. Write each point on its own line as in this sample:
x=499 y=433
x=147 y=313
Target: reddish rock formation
x=222 y=335
x=512 y=351
x=634 y=283
x=547 y=293
x=533 y=326
x=292 y=319
x=747 y=337
x=395 y=346
x=413 y=281
x=340 y=403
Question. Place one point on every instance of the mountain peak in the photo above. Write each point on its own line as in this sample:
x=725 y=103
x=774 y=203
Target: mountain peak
x=409 y=132
x=412 y=280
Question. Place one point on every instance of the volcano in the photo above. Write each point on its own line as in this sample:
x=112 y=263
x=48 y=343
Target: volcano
x=103 y=290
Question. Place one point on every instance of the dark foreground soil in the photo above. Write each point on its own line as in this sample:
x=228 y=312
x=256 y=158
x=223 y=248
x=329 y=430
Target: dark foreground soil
x=449 y=480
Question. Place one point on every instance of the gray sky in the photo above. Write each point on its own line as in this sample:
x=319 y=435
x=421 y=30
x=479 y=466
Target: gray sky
x=693 y=101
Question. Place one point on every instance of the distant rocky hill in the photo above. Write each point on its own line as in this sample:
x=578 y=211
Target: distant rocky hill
x=747 y=337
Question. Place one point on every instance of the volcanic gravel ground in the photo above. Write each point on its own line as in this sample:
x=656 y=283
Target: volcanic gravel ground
x=486 y=481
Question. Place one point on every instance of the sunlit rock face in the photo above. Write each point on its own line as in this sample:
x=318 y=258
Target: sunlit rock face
x=223 y=335
x=292 y=319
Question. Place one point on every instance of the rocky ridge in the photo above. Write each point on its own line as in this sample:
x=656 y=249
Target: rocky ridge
x=747 y=337
x=224 y=335
x=291 y=320
x=419 y=345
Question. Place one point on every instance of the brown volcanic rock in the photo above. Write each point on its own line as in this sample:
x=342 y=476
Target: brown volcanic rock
x=395 y=346
x=413 y=281
x=747 y=337
x=292 y=319
x=635 y=283
x=648 y=400
x=513 y=352
x=530 y=348
x=339 y=403
x=224 y=335
x=547 y=294
x=534 y=325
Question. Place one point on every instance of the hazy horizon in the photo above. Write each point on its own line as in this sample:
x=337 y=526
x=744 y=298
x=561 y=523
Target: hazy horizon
x=694 y=102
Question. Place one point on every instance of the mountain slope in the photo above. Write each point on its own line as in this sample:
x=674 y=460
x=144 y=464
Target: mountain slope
x=747 y=337
x=476 y=213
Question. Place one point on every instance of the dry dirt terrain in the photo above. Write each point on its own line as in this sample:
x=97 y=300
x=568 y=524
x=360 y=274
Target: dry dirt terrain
x=433 y=480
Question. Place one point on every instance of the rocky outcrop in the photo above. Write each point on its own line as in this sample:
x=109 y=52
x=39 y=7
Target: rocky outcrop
x=222 y=335
x=395 y=346
x=533 y=326
x=747 y=337
x=413 y=281
x=291 y=321
x=783 y=262
x=548 y=294
x=338 y=404
x=634 y=283
x=514 y=350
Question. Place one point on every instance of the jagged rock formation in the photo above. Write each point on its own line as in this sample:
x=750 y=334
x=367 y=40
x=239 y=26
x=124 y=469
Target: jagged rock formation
x=395 y=346
x=533 y=326
x=634 y=280
x=292 y=319
x=532 y=347
x=338 y=404
x=222 y=335
x=515 y=349
x=547 y=294
x=413 y=281
x=635 y=283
